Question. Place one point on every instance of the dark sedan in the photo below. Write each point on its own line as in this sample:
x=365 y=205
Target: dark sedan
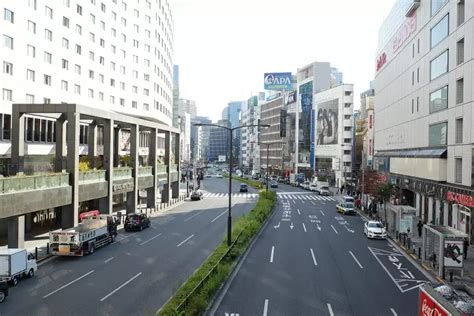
x=136 y=222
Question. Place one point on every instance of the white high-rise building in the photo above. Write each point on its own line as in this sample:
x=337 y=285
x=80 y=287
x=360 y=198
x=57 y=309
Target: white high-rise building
x=424 y=135
x=113 y=55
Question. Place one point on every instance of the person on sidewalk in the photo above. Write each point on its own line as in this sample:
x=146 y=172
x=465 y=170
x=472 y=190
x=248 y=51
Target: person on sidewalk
x=420 y=228
x=465 y=247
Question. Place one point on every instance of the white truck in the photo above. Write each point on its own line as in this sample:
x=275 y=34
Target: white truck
x=93 y=232
x=16 y=263
x=322 y=188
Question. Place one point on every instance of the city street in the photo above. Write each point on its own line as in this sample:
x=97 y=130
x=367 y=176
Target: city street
x=139 y=272
x=310 y=260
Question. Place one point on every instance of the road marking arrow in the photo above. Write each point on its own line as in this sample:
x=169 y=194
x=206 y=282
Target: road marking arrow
x=319 y=227
x=277 y=226
x=291 y=226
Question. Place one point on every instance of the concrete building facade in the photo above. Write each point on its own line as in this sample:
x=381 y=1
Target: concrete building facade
x=424 y=113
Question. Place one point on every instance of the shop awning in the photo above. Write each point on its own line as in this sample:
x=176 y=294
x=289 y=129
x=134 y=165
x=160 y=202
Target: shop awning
x=416 y=153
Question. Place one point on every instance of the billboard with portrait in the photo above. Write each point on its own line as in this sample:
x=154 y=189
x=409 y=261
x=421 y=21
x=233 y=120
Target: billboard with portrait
x=327 y=118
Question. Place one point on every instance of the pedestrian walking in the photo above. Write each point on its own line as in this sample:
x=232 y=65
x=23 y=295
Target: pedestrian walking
x=420 y=228
x=465 y=247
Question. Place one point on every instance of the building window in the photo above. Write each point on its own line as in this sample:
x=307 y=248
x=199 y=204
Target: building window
x=91 y=74
x=134 y=89
x=122 y=85
x=78 y=29
x=46 y=100
x=102 y=42
x=79 y=9
x=32 y=4
x=8 y=41
x=439 y=65
x=460 y=11
x=66 y=3
x=64 y=85
x=112 y=82
x=77 y=89
x=438 y=134
x=65 y=22
x=30 y=98
x=65 y=43
x=460 y=90
x=418 y=75
x=134 y=104
x=48 y=12
x=90 y=93
x=30 y=75
x=412 y=106
x=47 y=57
x=6 y=126
x=114 y=32
x=48 y=35
x=101 y=96
x=101 y=78
x=65 y=64
x=417 y=104
x=102 y=25
x=440 y=31
x=458 y=170
x=47 y=80
x=30 y=51
x=122 y=102
x=412 y=78
x=459 y=130
x=8 y=68
x=8 y=15
x=436 y=5
x=102 y=60
x=91 y=55
x=146 y=106
x=112 y=99
x=77 y=69
x=92 y=37
x=32 y=27
x=460 y=51
x=78 y=49
x=92 y=18
x=102 y=7
x=7 y=95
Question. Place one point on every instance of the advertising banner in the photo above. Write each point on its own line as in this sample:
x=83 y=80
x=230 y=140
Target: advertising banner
x=429 y=306
x=277 y=81
x=221 y=158
x=327 y=123
x=453 y=253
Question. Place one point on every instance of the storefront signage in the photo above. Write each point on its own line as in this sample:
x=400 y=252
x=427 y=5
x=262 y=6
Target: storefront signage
x=429 y=307
x=123 y=186
x=381 y=61
x=404 y=32
x=463 y=199
x=278 y=81
x=370 y=121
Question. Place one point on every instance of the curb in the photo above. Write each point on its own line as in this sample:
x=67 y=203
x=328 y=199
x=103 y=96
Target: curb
x=224 y=288
x=412 y=258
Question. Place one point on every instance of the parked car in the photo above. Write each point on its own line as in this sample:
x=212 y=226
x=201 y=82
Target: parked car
x=244 y=187
x=219 y=175
x=136 y=222
x=305 y=185
x=323 y=190
x=273 y=184
x=313 y=187
x=3 y=291
x=375 y=229
x=196 y=195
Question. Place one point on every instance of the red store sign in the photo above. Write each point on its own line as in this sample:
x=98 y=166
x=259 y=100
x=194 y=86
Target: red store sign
x=429 y=307
x=463 y=199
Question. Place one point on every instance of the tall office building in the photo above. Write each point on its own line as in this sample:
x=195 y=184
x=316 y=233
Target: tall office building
x=219 y=142
x=424 y=109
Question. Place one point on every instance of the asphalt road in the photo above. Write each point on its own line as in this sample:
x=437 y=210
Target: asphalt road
x=139 y=272
x=310 y=260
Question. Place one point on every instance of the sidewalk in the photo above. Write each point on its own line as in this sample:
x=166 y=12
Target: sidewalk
x=412 y=246
x=38 y=245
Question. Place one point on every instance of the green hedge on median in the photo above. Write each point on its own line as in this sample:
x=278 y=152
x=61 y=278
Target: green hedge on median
x=255 y=184
x=246 y=226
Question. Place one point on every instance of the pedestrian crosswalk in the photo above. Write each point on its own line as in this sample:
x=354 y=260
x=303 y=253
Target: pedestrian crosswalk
x=307 y=197
x=234 y=195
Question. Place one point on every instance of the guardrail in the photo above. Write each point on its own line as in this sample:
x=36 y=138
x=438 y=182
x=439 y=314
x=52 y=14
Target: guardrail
x=185 y=301
x=122 y=172
x=34 y=182
x=91 y=176
x=145 y=171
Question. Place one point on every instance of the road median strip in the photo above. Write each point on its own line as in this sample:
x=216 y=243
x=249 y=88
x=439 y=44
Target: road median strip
x=193 y=297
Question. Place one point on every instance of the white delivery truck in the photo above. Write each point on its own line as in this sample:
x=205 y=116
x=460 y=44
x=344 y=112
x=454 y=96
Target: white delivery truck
x=93 y=232
x=15 y=264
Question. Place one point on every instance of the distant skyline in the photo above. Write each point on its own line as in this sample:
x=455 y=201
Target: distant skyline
x=223 y=48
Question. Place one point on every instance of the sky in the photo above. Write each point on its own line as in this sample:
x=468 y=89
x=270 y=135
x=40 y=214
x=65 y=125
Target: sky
x=223 y=47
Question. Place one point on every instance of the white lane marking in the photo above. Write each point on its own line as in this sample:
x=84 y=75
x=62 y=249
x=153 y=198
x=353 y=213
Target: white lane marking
x=187 y=219
x=108 y=260
x=313 y=203
x=265 y=308
x=393 y=312
x=148 y=240
x=66 y=285
x=302 y=202
x=323 y=203
x=271 y=255
x=121 y=286
x=334 y=229
x=129 y=235
x=355 y=259
x=304 y=227
x=314 y=258
x=322 y=213
x=298 y=211
x=179 y=245
x=217 y=217
x=331 y=313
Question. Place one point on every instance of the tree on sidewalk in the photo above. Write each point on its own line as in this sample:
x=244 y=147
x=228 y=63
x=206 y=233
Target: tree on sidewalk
x=383 y=194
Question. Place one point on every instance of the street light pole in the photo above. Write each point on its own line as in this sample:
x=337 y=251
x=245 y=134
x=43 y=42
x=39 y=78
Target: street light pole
x=268 y=148
x=229 y=216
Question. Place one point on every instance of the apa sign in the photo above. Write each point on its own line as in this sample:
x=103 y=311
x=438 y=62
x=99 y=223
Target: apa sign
x=429 y=307
x=277 y=81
